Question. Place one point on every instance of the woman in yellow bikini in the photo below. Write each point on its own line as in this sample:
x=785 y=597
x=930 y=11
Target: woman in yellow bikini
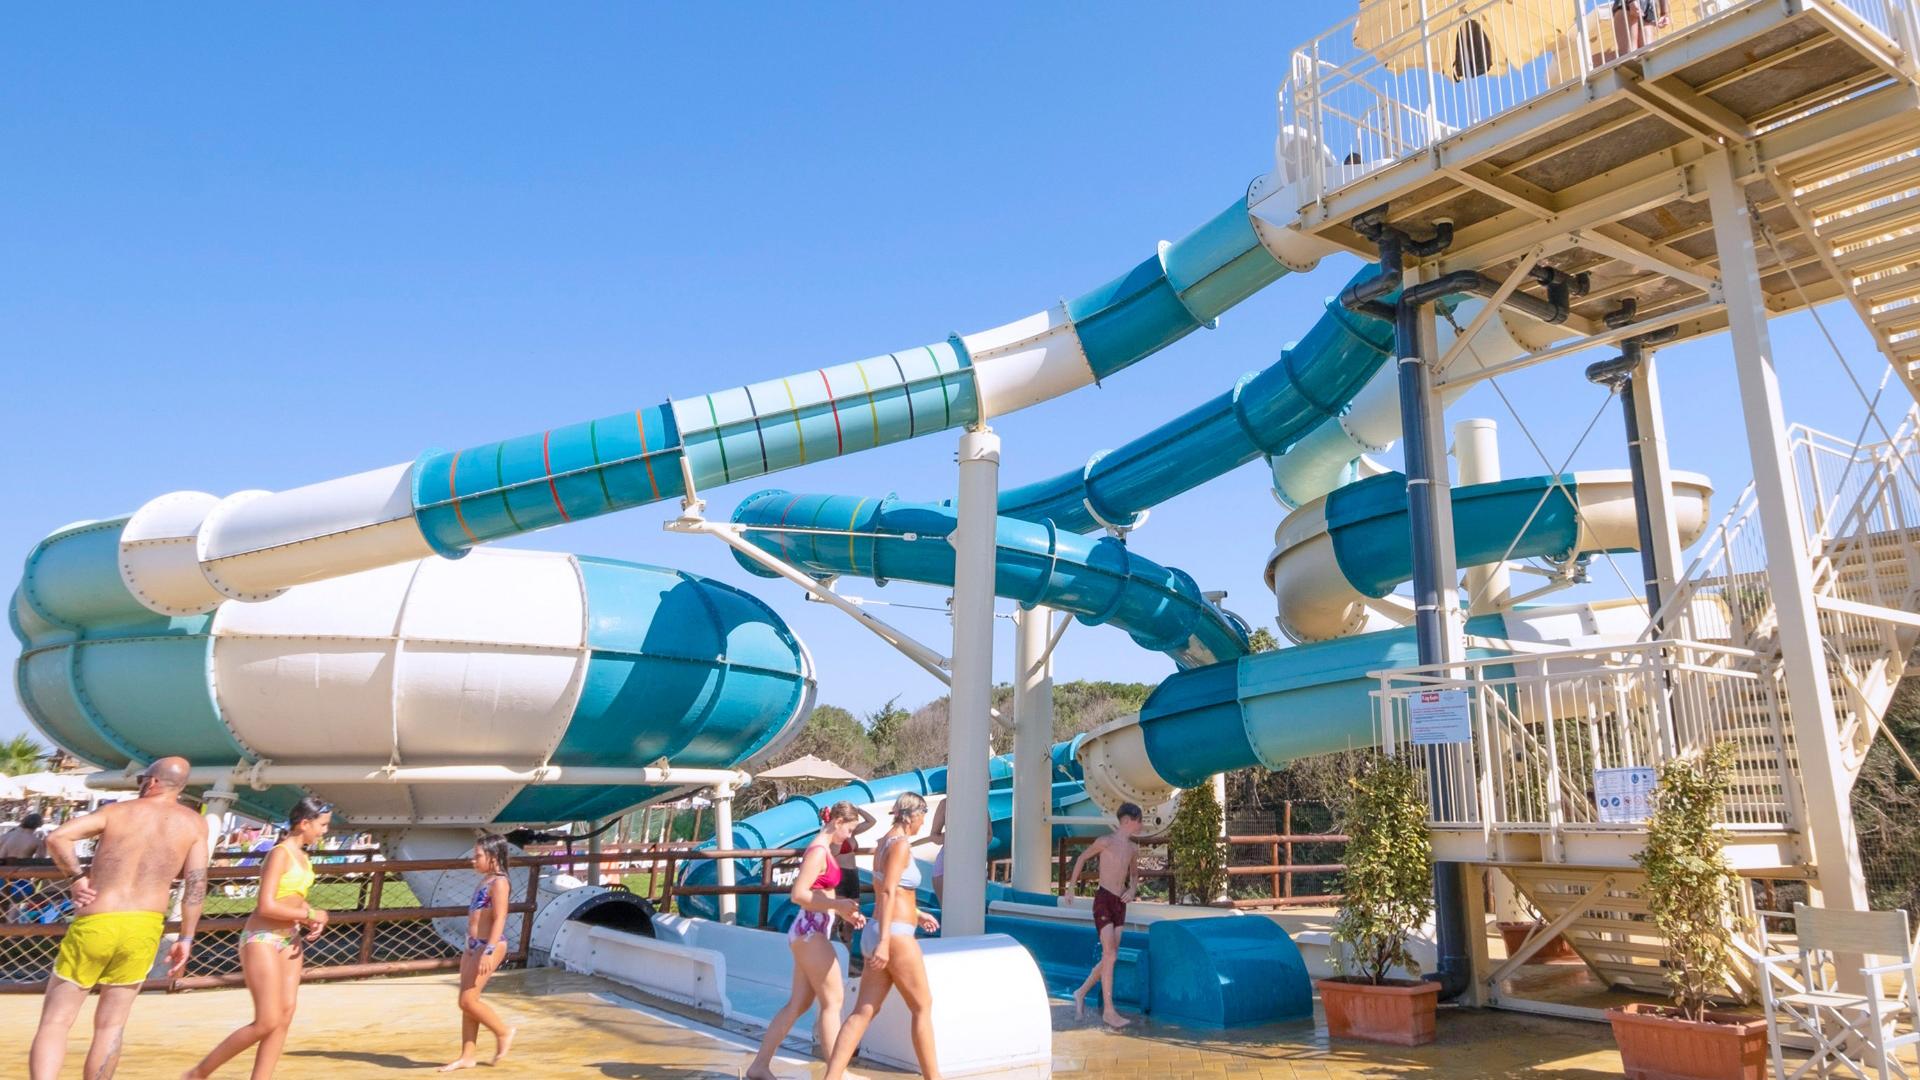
x=272 y=942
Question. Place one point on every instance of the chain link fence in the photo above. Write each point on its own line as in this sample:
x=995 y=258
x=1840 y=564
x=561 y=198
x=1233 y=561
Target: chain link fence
x=376 y=925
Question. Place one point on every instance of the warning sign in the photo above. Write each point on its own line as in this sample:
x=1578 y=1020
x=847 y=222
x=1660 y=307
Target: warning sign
x=1437 y=717
x=1624 y=795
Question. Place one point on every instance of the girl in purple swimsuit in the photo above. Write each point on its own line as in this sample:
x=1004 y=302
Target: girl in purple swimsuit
x=486 y=949
x=816 y=966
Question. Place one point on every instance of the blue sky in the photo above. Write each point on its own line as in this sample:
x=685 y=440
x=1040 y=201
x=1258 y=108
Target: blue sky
x=254 y=247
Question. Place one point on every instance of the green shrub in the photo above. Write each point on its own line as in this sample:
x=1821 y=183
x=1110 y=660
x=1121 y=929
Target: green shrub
x=1389 y=877
x=1690 y=889
x=1193 y=844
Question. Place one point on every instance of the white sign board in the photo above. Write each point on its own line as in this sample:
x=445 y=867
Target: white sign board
x=1435 y=717
x=1623 y=794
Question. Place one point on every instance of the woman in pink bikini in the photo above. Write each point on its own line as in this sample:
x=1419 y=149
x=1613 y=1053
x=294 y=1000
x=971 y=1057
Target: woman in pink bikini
x=892 y=951
x=816 y=967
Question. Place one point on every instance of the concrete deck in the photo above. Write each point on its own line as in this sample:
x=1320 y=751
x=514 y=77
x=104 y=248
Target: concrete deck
x=577 y=1026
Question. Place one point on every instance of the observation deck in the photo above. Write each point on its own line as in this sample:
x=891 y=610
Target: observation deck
x=1561 y=134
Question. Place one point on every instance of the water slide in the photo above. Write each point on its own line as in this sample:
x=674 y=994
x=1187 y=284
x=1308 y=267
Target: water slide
x=1225 y=708
x=355 y=638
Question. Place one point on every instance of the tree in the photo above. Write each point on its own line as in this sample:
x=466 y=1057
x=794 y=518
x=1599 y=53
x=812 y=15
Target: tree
x=1262 y=640
x=883 y=727
x=1886 y=807
x=1388 y=882
x=1690 y=889
x=21 y=755
x=832 y=733
x=829 y=732
x=1199 y=857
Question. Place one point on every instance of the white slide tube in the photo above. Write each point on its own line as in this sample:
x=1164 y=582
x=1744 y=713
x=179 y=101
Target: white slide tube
x=1315 y=601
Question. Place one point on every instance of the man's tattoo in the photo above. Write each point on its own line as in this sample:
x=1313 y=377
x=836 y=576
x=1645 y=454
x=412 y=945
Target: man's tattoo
x=111 y=1061
x=195 y=889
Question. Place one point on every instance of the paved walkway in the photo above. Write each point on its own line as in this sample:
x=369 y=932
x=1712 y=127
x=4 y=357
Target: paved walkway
x=578 y=1026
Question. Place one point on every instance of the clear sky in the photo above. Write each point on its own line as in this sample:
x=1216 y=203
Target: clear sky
x=255 y=247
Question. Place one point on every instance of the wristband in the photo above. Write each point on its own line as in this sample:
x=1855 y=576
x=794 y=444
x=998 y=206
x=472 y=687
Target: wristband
x=184 y=939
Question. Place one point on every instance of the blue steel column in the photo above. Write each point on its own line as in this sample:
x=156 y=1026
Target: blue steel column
x=1429 y=511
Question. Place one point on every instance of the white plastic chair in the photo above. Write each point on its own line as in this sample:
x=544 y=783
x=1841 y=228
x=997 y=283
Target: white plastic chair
x=1847 y=1034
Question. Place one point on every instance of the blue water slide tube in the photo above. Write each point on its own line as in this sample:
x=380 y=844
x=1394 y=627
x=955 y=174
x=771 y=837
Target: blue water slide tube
x=1263 y=414
x=1099 y=581
x=191 y=551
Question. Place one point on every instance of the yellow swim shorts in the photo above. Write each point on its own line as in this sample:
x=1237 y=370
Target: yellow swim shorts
x=115 y=948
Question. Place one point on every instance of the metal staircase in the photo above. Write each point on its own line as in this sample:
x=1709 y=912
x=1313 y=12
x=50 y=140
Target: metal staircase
x=1862 y=513
x=1520 y=797
x=1861 y=509
x=1861 y=209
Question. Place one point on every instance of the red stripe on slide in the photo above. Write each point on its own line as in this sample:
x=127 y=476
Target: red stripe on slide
x=839 y=446
x=547 y=460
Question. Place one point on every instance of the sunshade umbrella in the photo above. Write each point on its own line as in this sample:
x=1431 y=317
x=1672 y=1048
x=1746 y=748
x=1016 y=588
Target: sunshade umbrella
x=11 y=789
x=1467 y=38
x=806 y=768
x=68 y=786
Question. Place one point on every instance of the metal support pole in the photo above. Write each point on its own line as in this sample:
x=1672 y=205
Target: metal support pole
x=964 y=904
x=1476 y=447
x=1650 y=451
x=1622 y=374
x=1032 y=750
x=1435 y=597
x=1219 y=782
x=593 y=853
x=723 y=841
x=1829 y=830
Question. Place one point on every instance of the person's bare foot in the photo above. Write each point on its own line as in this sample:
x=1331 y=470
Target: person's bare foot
x=1080 y=1004
x=502 y=1045
x=456 y=1066
x=1114 y=1019
x=764 y=1072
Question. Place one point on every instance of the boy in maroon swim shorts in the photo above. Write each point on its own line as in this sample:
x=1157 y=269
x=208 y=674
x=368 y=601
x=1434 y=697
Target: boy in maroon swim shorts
x=1119 y=872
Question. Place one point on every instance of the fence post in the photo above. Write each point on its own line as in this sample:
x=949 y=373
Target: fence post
x=1286 y=827
x=370 y=902
x=526 y=917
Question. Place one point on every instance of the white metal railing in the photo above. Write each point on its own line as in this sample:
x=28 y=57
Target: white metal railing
x=1541 y=725
x=1399 y=76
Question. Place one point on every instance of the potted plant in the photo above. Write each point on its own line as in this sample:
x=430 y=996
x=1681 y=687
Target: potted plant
x=1691 y=893
x=1388 y=887
x=1517 y=933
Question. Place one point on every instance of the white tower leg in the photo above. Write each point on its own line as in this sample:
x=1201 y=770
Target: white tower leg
x=1829 y=826
x=1032 y=751
x=969 y=726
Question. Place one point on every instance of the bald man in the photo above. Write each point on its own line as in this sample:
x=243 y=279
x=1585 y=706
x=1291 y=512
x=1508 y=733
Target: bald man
x=141 y=846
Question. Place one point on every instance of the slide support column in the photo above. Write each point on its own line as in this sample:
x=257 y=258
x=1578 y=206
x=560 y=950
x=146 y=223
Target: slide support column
x=1476 y=447
x=1435 y=595
x=1829 y=827
x=1032 y=751
x=723 y=874
x=964 y=905
x=1628 y=375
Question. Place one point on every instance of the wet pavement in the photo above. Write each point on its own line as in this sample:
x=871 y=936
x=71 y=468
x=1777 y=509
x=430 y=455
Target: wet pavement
x=581 y=1026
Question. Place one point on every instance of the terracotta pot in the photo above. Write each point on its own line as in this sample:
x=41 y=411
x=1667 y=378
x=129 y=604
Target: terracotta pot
x=1515 y=934
x=1396 y=1011
x=1656 y=1044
